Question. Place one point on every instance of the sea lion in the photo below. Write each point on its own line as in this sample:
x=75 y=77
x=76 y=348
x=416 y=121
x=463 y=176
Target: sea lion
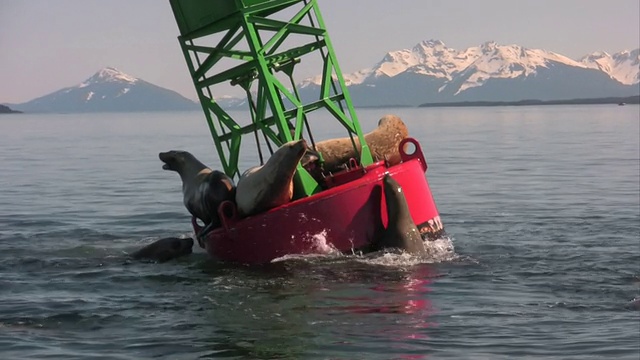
x=164 y=250
x=383 y=142
x=203 y=189
x=264 y=187
x=401 y=232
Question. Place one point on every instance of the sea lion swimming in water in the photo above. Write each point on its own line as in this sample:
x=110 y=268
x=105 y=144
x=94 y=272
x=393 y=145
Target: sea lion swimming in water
x=164 y=250
x=401 y=232
x=384 y=142
x=203 y=189
x=264 y=187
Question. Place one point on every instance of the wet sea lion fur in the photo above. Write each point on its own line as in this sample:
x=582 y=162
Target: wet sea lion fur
x=203 y=189
x=164 y=250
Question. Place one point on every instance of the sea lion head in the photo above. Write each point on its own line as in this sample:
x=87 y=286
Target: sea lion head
x=165 y=249
x=178 y=160
x=393 y=192
x=391 y=120
x=172 y=248
x=173 y=160
x=303 y=153
x=182 y=246
x=292 y=152
x=310 y=160
x=393 y=125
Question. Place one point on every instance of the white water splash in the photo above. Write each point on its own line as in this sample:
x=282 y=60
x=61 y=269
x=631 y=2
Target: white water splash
x=319 y=244
x=306 y=257
x=440 y=250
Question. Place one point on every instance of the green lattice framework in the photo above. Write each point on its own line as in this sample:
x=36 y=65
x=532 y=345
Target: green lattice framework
x=249 y=33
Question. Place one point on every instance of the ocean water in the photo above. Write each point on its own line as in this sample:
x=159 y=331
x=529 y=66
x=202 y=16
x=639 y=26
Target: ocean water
x=541 y=204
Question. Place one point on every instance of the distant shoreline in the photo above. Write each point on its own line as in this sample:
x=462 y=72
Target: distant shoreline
x=595 y=101
x=7 y=110
x=628 y=100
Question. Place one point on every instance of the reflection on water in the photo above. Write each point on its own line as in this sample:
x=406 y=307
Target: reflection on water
x=291 y=306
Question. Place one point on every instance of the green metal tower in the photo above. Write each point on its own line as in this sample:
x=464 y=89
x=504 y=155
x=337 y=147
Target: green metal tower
x=257 y=44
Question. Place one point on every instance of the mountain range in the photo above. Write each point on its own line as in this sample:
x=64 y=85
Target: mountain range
x=428 y=73
x=109 y=90
x=431 y=72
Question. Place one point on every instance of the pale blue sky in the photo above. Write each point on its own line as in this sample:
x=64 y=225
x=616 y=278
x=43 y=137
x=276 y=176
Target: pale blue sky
x=46 y=45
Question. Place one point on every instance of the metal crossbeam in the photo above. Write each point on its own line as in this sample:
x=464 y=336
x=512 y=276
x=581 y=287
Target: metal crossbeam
x=249 y=35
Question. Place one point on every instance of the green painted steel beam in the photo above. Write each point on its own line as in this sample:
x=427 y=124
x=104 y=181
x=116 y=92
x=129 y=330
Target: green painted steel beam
x=276 y=41
x=283 y=27
x=365 y=157
x=249 y=23
x=245 y=68
x=227 y=42
x=229 y=74
x=233 y=54
x=211 y=29
x=295 y=52
x=327 y=78
x=341 y=116
x=268 y=7
x=289 y=114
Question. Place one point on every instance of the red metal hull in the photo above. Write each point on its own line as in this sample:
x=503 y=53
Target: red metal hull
x=342 y=218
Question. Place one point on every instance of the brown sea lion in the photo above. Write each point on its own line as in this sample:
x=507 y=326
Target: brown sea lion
x=383 y=142
x=164 y=250
x=264 y=187
x=401 y=232
x=203 y=189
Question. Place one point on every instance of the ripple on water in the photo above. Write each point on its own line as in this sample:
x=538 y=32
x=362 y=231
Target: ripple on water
x=542 y=205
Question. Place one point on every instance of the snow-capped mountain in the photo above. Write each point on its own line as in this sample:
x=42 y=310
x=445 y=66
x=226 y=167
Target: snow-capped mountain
x=433 y=72
x=232 y=102
x=109 y=90
x=622 y=66
x=493 y=61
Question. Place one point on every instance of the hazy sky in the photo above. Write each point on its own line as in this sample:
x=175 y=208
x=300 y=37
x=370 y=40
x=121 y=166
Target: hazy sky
x=46 y=45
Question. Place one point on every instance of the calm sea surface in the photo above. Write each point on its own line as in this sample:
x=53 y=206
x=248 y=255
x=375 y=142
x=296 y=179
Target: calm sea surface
x=542 y=205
